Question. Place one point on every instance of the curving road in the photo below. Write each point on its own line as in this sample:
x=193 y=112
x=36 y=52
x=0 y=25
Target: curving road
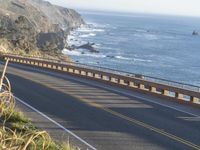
x=107 y=117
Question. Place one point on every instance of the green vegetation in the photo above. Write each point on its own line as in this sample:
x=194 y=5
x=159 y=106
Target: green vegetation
x=17 y=132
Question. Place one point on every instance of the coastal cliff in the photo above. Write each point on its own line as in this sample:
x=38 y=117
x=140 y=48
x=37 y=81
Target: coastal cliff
x=31 y=25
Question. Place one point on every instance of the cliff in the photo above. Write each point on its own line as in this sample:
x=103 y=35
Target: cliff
x=35 y=25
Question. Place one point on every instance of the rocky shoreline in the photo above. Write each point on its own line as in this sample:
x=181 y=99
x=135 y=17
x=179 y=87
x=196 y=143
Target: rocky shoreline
x=35 y=25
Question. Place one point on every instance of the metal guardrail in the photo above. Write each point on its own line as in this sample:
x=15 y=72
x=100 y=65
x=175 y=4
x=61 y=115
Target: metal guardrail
x=123 y=73
x=131 y=80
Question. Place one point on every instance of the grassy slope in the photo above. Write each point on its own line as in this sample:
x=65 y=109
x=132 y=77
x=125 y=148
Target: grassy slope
x=17 y=132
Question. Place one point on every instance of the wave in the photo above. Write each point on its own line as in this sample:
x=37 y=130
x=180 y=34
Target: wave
x=142 y=60
x=89 y=30
x=96 y=25
x=72 y=53
x=141 y=30
x=87 y=35
x=82 y=53
x=94 y=55
x=71 y=37
x=151 y=37
x=147 y=36
x=122 y=58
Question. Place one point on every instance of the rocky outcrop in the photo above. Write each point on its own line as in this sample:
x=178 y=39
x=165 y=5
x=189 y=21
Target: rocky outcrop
x=36 y=24
x=88 y=46
x=195 y=33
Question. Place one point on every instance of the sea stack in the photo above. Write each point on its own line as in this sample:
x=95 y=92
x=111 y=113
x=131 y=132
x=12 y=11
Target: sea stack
x=195 y=33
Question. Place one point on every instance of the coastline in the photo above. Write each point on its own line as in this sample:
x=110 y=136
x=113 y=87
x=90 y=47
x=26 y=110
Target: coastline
x=160 y=49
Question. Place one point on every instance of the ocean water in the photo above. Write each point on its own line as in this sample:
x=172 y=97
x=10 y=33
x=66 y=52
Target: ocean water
x=155 y=45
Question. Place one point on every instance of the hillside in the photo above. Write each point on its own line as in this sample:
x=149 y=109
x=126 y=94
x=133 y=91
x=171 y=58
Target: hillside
x=31 y=25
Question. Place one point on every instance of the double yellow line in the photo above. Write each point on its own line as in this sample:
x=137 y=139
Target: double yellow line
x=157 y=130
x=142 y=124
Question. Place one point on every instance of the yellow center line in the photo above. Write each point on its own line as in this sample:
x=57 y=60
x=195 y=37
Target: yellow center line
x=140 y=123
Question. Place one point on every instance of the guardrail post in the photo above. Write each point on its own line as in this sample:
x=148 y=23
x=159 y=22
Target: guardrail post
x=54 y=67
x=178 y=95
x=153 y=89
x=77 y=71
x=141 y=86
x=49 y=66
x=113 y=79
x=59 y=68
x=64 y=69
x=96 y=75
x=83 y=73
x=194 y=99
x=89 y=74
x=121 y=81
x=70 y=70
x=104 y=77
x=165 y=92
x=131 y=84
x=43 y=65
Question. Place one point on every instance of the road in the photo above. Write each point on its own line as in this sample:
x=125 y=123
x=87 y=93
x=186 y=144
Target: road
x=107 y=117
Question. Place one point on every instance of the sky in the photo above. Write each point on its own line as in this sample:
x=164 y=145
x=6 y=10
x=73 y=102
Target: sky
x=171 y=7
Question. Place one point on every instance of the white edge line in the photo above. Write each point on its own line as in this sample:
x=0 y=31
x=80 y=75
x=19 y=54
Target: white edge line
x=56 y=123
x=125 y=93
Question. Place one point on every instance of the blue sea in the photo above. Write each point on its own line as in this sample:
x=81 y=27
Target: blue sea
x=154 y=45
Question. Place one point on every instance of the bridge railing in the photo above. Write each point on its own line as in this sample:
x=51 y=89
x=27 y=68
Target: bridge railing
x=180 y=91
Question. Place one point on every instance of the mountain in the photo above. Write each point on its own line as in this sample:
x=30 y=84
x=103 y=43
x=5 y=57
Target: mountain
x=35 y=25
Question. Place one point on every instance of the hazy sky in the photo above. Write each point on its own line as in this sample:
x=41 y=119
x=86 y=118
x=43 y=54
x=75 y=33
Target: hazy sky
x=176 y=7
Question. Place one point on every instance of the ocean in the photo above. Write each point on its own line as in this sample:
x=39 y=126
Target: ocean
x=154 y=45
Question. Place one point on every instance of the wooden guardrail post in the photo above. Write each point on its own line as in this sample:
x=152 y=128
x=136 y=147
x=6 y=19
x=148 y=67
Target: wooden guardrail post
x=121 y=81
x=113 y=79
x=166 y=92
x=178 y=95
x=141 y=86
x=194 y=99
x=131 y=84
x=152 y=89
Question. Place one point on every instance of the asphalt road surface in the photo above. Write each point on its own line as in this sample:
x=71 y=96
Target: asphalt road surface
x=107 y=117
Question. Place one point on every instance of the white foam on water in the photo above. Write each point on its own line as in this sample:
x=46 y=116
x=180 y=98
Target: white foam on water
x=122 y=58
x=71 y=37
x=94 y=55
x=82 y=52
x=151 y=37
x=87 y=35
x=72 y=53
x=147 y=36
x=141 y=60
x=141 y=30
x=90 y=30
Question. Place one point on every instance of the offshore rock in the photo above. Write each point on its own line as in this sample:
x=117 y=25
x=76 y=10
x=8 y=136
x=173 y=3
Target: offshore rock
x=195 y=33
